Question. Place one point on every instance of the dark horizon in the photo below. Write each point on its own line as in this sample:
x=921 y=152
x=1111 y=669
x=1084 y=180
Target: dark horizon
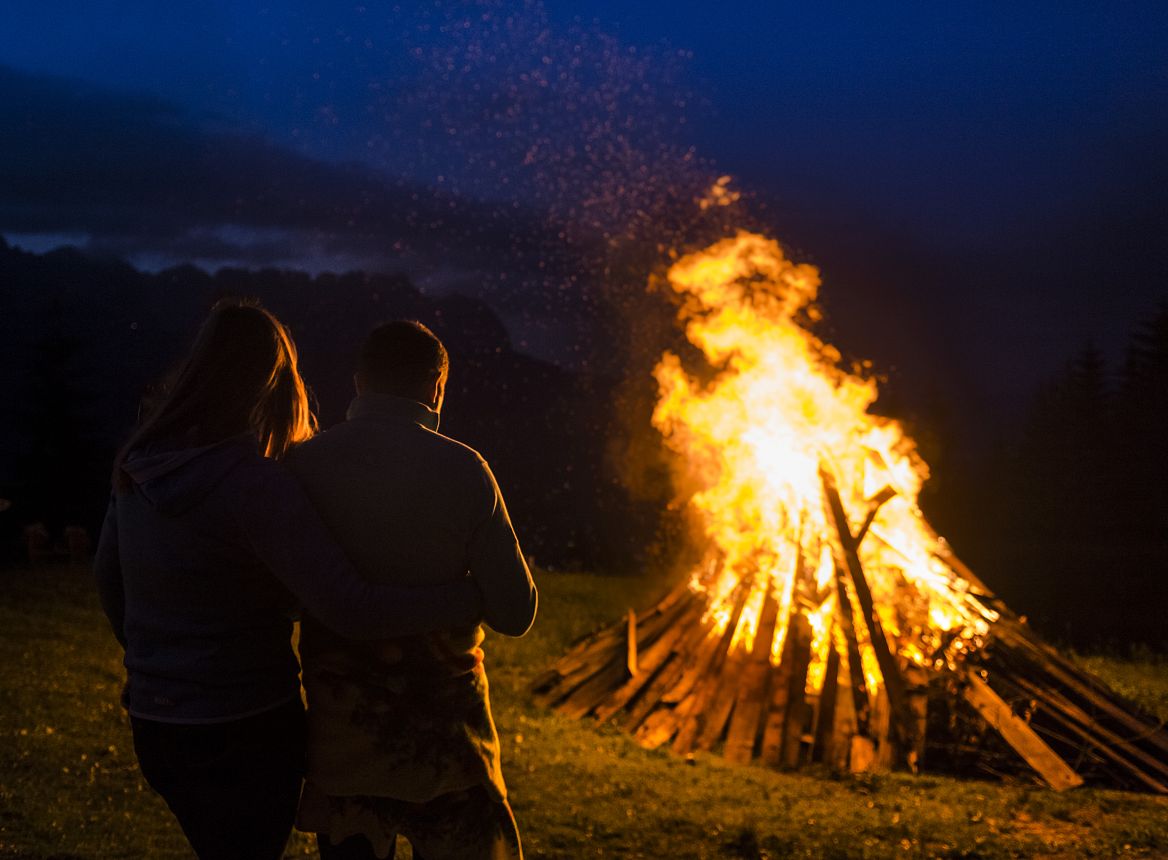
x=979 y=186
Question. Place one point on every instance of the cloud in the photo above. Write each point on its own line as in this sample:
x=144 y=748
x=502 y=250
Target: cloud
x=140 y=177
x=144 y=181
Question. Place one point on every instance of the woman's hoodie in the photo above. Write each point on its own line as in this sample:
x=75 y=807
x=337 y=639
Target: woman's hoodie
x=202 y=565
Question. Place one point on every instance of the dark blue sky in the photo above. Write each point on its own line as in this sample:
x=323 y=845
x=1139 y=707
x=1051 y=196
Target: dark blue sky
x=984 y=182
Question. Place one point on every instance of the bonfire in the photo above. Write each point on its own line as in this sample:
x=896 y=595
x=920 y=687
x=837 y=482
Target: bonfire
x=827 y=621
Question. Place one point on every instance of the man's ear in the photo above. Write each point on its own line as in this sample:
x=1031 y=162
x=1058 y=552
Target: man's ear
x=358 y=383
x=438 y=393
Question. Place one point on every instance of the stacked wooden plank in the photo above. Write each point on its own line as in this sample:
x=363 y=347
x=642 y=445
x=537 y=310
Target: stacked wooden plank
x=671 y=677
x=1108 y=739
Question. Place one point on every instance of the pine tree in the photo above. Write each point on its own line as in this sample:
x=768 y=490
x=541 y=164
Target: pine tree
x=1068 y=454
x=1143 y=422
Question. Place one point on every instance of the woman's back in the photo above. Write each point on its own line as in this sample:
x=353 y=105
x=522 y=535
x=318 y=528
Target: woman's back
x=206 y=623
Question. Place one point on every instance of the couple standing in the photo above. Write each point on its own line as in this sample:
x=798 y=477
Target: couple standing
x=229 y=516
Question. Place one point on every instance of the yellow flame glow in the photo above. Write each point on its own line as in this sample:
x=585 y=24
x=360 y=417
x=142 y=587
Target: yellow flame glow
x=754 y=439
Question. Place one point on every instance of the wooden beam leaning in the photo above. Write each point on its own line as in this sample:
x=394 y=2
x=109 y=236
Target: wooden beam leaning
x=861 y=702
x=697 y=659
x=839 y=752
x=874 y=505
x=744 y=723
x=917 y=680
x=593 y=691
x=1077 y=681
x=902 y=723
x=709 y=677
x=590 y=653
x=881 y=730
x=776 y=711
x=716 y=714
x=775 y=717
x=1098 y=737
x=577 y=678
x=821 y=749
x=659 y=713
x=672 y=642
x=631 y=644
x=651 y=702
x=1018 y=734
x=652 y=623
x=798 y=709
x=562 y=683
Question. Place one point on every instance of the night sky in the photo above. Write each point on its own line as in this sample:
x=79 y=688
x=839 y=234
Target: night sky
x=983 y=185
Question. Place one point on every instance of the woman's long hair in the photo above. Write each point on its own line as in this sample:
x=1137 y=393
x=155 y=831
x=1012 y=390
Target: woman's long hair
x=240 y=376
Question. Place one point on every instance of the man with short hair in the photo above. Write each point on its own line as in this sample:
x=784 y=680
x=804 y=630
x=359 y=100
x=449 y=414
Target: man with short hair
x=401 y=738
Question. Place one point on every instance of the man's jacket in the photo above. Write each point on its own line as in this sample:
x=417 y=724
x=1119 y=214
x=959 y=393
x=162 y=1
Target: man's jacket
x=408 y=719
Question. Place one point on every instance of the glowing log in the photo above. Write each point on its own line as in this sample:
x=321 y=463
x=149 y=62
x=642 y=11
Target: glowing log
x=825 y=717
x=901 y=721
x=748 y=707
x=845 y=615
x=798 y=710
x=695 y=705
x=631 y=645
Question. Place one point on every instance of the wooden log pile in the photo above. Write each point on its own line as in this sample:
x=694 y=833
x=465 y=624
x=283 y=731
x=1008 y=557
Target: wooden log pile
x=671 y=677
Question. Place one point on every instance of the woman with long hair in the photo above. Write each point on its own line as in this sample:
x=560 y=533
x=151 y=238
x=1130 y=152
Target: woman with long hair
x=208 y=550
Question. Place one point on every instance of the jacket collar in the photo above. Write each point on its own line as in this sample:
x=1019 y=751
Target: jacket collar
x=387 y=409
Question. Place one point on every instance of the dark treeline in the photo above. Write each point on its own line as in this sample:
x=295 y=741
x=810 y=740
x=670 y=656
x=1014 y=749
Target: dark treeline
x=1069 y=520
x=84 y=340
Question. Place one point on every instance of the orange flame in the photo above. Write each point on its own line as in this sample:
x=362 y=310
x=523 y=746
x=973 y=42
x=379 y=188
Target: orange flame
x=779 y=409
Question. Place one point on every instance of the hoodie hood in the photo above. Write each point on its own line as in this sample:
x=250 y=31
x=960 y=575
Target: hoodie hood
x=175 y=481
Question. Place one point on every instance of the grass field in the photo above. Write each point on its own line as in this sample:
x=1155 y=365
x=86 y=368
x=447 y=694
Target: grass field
x=69 y=785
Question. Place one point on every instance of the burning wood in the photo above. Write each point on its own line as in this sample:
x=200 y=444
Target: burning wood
x=803 y=637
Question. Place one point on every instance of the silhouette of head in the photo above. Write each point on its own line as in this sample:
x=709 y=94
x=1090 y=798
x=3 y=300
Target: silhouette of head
x=240 y=376
x=405 y=359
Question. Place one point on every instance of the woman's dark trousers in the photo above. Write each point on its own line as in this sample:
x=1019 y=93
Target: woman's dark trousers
x=233 y=786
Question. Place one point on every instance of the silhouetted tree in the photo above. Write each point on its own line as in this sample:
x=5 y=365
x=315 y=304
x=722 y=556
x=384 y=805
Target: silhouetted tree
x=1067 y=453
x=1090 y=502
x=1142 y=414
x=60 y=462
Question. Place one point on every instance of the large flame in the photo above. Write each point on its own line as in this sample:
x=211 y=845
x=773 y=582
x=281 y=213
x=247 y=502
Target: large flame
x=779 y=409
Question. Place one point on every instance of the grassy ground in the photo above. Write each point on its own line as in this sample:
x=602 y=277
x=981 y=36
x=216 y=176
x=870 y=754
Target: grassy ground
x=69 y=786
x=1143 y=680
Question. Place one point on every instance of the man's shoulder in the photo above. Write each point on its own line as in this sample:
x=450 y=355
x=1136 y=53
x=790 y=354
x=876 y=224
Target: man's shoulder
x=413 y=441
x=449 y=461
x=452 y=448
